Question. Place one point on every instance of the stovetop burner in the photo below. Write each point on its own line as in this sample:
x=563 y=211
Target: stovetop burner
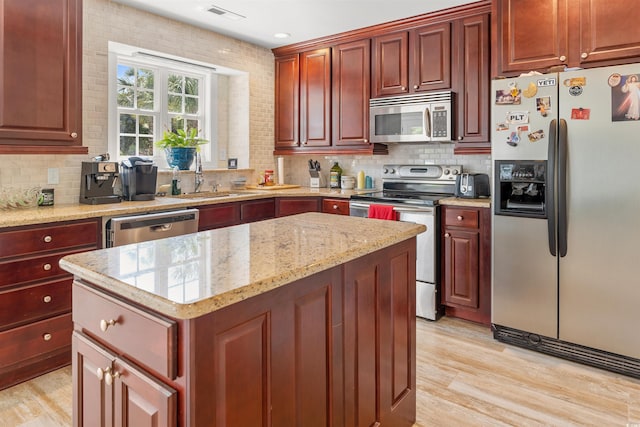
x=414 y=184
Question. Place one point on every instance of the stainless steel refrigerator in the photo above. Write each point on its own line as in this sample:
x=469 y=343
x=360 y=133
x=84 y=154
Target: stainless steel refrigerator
x=566 y=215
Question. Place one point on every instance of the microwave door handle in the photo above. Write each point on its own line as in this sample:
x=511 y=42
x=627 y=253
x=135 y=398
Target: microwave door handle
x=427 y=123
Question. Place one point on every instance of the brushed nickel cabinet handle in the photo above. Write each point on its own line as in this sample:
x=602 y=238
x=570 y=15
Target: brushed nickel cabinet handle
x=47 y=337
x=584 y=55
x=47 y=239
x=563 y=58
x=46 y=267
x=74 y=134
x=47 y=298
x=109 y=377
x=460 y=218
x=447 y=235
x=416 y=86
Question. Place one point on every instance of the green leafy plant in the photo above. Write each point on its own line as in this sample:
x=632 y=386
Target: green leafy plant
x=181 y=138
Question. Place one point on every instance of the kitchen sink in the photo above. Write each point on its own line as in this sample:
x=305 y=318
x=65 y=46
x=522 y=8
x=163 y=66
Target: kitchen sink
x=203 y=195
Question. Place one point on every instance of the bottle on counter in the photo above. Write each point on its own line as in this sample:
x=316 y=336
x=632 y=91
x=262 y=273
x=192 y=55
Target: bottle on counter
x=175 y=182
x=268 y=177
x=335 y=175
x=361 y=181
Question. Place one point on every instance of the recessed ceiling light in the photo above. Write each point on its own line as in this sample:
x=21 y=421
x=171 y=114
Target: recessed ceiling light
x=225 y=13
x=282 y=35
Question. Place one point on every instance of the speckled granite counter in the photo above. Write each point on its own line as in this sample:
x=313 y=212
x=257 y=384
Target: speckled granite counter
x=188 y=276
x=459 y=201
x=38 y=215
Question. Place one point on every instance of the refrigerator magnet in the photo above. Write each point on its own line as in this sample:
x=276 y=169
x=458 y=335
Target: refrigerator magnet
x=614 y=79
x=575 y=81
x=517 y=117
x=531 y=90
x=505 y=97
x=513 y=139
x=625 y=99
x=575 y=90
x=580 y=113
x=536 y=136
x=543 y=104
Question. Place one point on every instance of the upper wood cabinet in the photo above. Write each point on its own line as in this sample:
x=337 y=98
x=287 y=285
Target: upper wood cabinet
x=538 y=34
x=351 y=93
x=471 y=84
x=41 y=88
x=303 y=100
x=412 y=61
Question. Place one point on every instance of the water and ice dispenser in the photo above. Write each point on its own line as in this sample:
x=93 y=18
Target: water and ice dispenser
x=520 y=188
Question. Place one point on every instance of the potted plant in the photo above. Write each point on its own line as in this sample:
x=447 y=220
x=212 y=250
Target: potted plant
x=180 y=147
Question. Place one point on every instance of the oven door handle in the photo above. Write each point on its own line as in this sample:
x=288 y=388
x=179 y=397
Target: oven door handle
x=413 y=210
x=359 y=205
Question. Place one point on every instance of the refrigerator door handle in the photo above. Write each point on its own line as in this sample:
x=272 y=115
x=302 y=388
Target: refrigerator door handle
x=550 y=194
x=562 y=188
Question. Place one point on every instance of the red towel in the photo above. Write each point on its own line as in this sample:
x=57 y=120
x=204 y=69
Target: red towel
x=382 y=212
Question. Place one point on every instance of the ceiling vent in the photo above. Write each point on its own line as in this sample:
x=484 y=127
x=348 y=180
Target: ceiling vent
x=225 y=13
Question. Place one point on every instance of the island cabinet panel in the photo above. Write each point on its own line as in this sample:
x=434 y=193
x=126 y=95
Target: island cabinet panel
x=35 y=296
x=380 y=382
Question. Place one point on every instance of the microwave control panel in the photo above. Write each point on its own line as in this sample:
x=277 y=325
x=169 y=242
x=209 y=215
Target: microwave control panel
x=439 y=123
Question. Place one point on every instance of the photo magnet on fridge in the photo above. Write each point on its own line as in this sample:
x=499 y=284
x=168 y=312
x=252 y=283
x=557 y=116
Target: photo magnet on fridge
x=625 y=99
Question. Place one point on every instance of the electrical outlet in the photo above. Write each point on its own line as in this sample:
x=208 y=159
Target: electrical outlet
x=53 y=176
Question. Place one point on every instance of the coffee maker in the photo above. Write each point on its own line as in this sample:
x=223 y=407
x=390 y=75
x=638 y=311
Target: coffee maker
x=138 y=179
x=98 y=182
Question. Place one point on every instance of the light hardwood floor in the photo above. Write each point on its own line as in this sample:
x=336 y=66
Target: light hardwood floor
x=465 y=378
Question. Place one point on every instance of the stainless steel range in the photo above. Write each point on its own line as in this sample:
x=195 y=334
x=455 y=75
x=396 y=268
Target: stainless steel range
x=414 y=191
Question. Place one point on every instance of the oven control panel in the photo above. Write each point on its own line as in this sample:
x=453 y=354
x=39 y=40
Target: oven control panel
x=430 y=172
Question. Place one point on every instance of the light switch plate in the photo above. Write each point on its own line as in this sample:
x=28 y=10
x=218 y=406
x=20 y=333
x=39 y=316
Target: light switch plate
x=53 y=176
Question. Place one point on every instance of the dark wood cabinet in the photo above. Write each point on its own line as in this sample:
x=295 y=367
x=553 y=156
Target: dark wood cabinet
x=335 y=206
x=296 y=205
x=466 y=263
x=303 y=100
x=390 y=64
x=35 y=296
x=41 y=96
x=537 y=35
x=351 y=93
x=471 y=84
x=335 y=348
x=257 y=210
x=218 y=215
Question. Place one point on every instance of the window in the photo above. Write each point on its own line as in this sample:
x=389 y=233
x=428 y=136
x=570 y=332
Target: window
x=150 y=95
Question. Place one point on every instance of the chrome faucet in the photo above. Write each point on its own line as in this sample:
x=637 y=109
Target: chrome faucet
x=199 y=179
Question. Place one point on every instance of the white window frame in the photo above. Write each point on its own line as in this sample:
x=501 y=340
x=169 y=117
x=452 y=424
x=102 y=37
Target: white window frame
x=162 y=65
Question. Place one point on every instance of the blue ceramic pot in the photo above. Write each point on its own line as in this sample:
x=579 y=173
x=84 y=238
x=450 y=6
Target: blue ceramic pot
x=182 y=157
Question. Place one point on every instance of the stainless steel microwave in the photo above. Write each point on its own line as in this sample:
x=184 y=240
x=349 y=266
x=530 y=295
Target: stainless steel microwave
x=424 y=117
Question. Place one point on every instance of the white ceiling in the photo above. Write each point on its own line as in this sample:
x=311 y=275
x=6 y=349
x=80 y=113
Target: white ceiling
x=303 y=19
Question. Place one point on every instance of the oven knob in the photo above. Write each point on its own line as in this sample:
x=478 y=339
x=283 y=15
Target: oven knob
x=455 y=172
x=446 y=172
x=386 y=170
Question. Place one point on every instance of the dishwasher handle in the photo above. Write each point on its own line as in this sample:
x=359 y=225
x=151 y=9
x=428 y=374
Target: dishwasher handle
x=161 y=228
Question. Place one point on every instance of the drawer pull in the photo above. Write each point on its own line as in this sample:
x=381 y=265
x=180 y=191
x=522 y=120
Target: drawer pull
x=46 y=267
x=109 y=377
x=47 y=298
x=47 y=337
x=47 y=239
x=460 y=218
x=335 y=207
x=100 y=372
x=104 y=324
x=447 y=235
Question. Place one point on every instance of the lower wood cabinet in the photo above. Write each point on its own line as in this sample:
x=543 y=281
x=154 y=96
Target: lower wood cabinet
x=335 y=206
x=466 y=263
x=296 y=205
x=336 y=348
x=257 y=210
x=35 y=296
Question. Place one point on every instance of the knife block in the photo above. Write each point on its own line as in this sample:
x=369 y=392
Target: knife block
x=316 y=182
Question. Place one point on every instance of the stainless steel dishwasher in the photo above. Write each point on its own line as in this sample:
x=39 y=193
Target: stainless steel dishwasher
x=141 y=228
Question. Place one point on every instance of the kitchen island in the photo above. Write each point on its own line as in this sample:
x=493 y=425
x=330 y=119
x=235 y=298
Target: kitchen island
x=301 y=320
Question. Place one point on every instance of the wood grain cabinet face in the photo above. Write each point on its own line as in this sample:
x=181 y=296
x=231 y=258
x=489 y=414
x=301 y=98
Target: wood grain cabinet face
x=217 y=216
x=296 y=205
x=466 y=263
x=335 y=206
x=287 y=105
x=390 y=64
x=41 y=96
x=35 y=296
x=430 y=57
x=538 y=34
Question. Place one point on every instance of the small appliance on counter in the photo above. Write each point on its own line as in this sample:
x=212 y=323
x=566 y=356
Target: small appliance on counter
x=472 y=185
x=139 y=178
x=98 y=182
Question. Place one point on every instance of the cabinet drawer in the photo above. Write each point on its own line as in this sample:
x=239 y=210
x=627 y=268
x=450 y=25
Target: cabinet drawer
x=339 y=207
x=467 y=218
x=19 y=306
x=35 y=339
x=146 y=338
x=34 y=268
x=48 y=238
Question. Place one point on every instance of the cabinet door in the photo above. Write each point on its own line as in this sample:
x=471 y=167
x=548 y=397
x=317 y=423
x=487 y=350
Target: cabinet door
x=216 y=216
x=461 y=269
x=315 y=98
x=287 y=99
x=40 y=100
x=295 y=205
x=609 y=30
x=532 y=34
x=471 y=68
x=390 y=64
x=351 y=92
x=93 y=398
x=430 y=49
x=140 y=400
x=257 y=210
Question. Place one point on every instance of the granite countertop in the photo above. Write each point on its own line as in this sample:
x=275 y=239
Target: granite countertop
x=55 y=213
x=460 y=201
x=187 y=276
